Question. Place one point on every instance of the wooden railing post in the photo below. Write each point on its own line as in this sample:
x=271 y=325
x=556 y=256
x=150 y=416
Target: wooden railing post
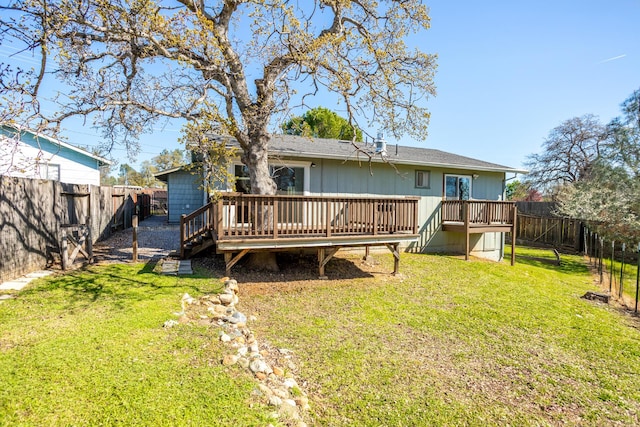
x=466 y=213
x=327 y=220
x=375 y=217
x=219 y=217
x=275 y=218
x=182 y=236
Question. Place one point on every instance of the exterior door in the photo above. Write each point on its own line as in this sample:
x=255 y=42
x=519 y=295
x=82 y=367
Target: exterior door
x=457 y=187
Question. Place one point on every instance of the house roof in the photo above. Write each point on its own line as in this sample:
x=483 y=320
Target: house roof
x=315 y=148
x=54 y=141
x=163 y=175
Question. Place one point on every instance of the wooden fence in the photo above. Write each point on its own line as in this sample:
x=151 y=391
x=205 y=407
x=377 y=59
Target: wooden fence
x=550 y=231
x=35 y=214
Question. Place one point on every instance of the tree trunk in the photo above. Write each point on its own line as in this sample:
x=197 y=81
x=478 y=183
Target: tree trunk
x=257 y=161
x=263 y=261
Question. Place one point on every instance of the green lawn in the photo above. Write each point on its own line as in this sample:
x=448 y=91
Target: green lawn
x=451 y=342
x=447 y=342
x=89 y=348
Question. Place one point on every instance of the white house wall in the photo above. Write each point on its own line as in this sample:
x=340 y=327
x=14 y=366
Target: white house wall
x=22 y=160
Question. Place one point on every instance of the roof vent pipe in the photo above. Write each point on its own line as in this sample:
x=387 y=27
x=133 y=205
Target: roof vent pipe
x=381 y=144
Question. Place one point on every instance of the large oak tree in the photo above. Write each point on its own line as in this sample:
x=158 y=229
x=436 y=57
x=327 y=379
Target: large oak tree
x=568 y=153
x=225 y=66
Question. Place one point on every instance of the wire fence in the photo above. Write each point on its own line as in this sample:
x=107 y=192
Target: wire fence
x=618 y=267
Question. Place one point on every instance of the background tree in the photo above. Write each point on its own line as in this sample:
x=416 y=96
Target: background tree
x=164 y=161
x=522 y=191
x=568 y=153
x=129 y=176
x=321 y=122
x=169 y=159
x=609 y=195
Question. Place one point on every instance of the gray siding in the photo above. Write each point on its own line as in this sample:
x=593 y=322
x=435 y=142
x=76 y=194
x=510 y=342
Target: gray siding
x=332 y=177
x=184 y=194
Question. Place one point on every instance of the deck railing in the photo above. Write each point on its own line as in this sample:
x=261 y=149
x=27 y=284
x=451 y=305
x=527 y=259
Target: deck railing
x=480 y=211
x=248 y=216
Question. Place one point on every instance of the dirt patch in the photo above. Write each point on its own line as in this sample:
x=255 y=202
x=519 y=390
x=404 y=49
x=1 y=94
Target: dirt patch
x=297 y=273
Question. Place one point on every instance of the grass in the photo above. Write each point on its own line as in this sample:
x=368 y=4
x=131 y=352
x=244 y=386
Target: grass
x=89 y=348
x=459 y=343
x=446 y=342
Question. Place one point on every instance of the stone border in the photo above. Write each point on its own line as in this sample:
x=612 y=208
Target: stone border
x=272 y=368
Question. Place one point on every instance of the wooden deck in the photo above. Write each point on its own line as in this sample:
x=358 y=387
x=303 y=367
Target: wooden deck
x=238 y=224
x=480 y=216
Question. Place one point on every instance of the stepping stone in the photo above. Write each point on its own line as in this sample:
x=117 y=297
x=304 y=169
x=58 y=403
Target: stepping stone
x=6 y=297
x=173 y=267
x=19 y=283
x=184 y=269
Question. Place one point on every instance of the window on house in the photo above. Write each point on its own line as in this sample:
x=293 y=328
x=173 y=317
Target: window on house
x=289 y=180
x=243 y=185
x=457 y=187
x=49 y=171
x=423 y=179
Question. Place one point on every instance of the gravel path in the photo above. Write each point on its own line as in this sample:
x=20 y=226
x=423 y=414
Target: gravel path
x=156 y=239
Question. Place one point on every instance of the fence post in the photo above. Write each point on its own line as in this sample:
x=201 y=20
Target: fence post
x=600 y=258
x=637 y=278
x=135 y=238
x=613 y=248
x=622 y=271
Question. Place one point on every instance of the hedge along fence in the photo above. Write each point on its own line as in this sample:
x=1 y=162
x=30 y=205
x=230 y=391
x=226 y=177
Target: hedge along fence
x=615 y=265
x=32 y=212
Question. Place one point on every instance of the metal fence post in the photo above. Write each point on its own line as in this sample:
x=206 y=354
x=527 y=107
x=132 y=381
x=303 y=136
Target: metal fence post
x=601 y=256
x=637 y=278
x=622 y=271
x=613 y=248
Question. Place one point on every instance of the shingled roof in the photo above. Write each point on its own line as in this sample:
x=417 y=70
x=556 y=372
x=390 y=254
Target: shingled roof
x=305 y=147
x=292 y=146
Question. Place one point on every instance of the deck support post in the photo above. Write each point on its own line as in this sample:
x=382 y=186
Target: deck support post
x=366 y=252
x=393 y=247
x=324 y=256
x=230 y=260
x=465 y=211
x=513 y=236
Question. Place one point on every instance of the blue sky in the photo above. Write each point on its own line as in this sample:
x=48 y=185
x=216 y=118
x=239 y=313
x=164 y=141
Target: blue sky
x=508 y=73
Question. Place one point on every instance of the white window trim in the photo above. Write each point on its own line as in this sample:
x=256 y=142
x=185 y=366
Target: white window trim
x=279 y=163
x=444 y=185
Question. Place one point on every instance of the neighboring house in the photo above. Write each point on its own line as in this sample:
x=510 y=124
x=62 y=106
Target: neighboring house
x=309 y=166
x=27 y=154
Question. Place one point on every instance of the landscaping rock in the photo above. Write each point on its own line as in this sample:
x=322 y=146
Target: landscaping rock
x=275 y=401
x=226 y=299
x=239 y=317
x=597 y=296
x=230 y=359
x=277 y=387
x=259 y=365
